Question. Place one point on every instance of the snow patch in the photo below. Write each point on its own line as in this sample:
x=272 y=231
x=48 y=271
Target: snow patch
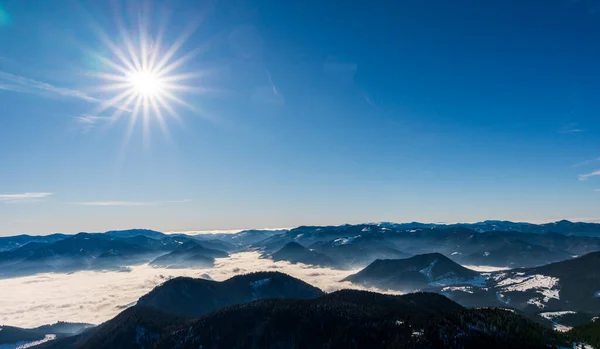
x=427 y=270
x=554 y=314
x=417 y=333
x=561 y=328
x=259 y=283
x=582 y=346
x=503 y=298
x=466 y=289
x=344 y=241
x=542 y=284
x=25 y=345
x=536 y=302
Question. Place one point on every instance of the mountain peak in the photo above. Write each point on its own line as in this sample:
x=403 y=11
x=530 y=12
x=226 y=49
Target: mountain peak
x=195 y=297
x=417 y=272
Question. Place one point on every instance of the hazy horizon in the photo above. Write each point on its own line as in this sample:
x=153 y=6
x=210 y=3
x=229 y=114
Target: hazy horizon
x=233 y=231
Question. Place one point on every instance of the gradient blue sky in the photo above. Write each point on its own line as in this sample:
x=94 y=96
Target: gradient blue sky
x=313 y=112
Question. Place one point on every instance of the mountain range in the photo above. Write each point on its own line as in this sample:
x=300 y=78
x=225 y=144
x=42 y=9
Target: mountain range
x=111 y=250
x=489 y=243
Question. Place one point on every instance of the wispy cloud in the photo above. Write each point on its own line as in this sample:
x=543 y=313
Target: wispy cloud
x=269 y=94
x=572 y=127
x=584 y=177
x=87 y=122
x=130 y=203
x=22 y=197
x=586 y=162
x=24 y=84
x=21 y=84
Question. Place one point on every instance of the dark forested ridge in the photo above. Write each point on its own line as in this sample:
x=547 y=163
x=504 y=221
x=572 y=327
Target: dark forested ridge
x=588 y=333
x=196 y=297
x=343 y=319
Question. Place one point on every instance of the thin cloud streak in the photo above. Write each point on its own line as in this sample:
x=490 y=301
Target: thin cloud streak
x=130 y=203
x=23 y=84
x=586 y=162
x=88 y=122
x=571 y=128
x=35 y=86
x=585 y=177
x=22 y=197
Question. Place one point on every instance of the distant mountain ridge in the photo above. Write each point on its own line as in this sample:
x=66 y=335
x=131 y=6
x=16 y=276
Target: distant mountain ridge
x=358 y=245
x=489 y=243
x=22 y=337
x=90 y=251
x=296 y=253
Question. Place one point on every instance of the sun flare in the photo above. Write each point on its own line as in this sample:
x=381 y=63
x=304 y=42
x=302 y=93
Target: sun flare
x=143 y=78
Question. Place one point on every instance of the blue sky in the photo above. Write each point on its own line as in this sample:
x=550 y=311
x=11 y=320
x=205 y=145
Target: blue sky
x=301 y=112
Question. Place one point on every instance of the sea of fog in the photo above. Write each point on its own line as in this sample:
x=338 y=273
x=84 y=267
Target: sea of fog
x=95 y=296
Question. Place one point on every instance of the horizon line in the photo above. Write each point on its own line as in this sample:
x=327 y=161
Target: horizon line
x=234 y=231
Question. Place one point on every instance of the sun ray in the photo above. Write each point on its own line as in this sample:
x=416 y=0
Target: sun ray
x=168 y=108
x=176 y=46
x=113 y=48
x=112 y=103
x=146 y=121
x=111 y=87
x=120 y=111
x=108 y=76
x=134 y=116
x=127 y=40
x=176 y=99
x=182 y=77
x=112 y=64
x=180 y=61
x=160 y=118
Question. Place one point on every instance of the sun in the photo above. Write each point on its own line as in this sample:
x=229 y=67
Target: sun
x=145 y=84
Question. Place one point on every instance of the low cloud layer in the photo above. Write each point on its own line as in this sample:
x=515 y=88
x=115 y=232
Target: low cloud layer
x=131 y=203
x=94 y=297
x=23 y=197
